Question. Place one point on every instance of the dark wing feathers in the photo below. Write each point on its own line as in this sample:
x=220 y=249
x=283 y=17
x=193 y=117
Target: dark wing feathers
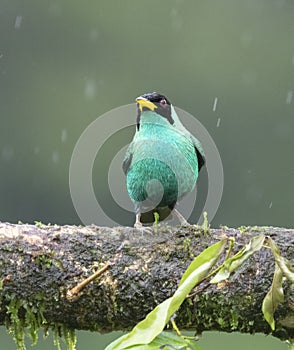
x=128 y=159
x=200 y=158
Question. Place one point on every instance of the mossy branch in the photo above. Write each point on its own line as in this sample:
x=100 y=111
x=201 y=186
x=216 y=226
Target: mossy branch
x=40 y=264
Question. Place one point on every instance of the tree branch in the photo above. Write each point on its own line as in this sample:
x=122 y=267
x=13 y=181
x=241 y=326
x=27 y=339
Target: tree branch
x=40 y=264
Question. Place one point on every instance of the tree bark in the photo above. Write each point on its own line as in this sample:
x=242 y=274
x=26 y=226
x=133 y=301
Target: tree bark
x=39 y=264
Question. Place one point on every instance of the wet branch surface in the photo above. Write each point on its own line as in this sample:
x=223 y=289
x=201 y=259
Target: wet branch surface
x=135 y=272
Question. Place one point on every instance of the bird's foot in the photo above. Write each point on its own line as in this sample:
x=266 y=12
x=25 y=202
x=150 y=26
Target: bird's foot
x=182 y=220
x=139 y=226
x=184 y=223
x=145 y=230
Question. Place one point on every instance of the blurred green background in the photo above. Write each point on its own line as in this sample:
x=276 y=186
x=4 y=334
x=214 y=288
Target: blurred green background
x=62 y=64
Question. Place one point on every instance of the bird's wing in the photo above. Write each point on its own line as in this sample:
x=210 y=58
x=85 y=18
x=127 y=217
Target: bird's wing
x=196 y=143
x=199 y=151
x=128 y=158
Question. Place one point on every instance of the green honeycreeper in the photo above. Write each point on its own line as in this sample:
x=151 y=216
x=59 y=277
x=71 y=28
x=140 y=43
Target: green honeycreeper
x=163 y=160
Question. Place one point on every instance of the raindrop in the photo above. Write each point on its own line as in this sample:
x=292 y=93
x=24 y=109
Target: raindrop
x=246 y=39
x=94 y=34
x=17 y=22
x=280 y=3
x=254 y=194
x=1 y=55
x=218 y=122
x=55 y=9
x=214 y=104
x=176 y=21
x=289 y=97
x=55 y=157
x=174 y=12
x=63 y=135
x=7 y=152
x=249 y=78
x=283 y=129
x=271 y=204
x=90 y=89
x=36 y=150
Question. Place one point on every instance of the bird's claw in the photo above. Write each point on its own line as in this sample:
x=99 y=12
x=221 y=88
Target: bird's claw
x=139 y=226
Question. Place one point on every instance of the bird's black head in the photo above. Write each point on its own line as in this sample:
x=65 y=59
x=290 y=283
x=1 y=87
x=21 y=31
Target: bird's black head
x=154 y=102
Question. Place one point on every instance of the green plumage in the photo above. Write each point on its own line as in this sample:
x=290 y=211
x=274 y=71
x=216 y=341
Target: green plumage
x=162 y=162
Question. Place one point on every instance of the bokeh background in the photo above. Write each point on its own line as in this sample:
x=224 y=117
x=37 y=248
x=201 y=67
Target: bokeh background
x=63 y=64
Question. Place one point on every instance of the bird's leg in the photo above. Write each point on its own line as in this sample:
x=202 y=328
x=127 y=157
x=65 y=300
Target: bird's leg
x=138 y=223
x=182 y=220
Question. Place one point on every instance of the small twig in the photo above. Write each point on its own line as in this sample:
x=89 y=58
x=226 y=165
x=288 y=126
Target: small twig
x=175 y=327
x=180 y=334
x=198 y=290
x=73 y=294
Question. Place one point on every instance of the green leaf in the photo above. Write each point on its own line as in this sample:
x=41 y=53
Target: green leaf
x=168 y=341
x=238 y=259
x=148 y=329
x=283 y=263
x=274 y=297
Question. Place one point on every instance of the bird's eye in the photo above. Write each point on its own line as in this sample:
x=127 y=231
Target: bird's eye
x=163 y=102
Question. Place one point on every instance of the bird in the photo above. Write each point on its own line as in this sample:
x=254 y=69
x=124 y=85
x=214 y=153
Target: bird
x=163 y=160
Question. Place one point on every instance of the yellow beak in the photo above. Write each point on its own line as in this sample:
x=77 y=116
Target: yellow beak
x=143 y=102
